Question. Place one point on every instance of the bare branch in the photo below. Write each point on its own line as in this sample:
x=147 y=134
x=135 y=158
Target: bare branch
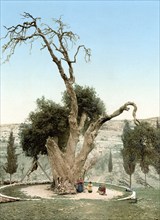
x=19 y=34
x=56 y=39
x=87 y=54
x=120 y=111
x=94 y=127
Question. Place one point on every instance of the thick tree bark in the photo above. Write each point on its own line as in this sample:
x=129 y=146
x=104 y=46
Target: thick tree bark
x=73 y=168
x=62 y=173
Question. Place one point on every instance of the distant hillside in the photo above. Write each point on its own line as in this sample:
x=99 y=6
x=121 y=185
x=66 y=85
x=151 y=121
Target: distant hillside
x=109 y=138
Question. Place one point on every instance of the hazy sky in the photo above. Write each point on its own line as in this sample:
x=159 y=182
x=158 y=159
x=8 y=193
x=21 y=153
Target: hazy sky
x=124 y=40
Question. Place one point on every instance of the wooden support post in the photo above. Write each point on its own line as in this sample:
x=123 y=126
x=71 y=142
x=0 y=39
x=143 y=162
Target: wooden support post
x=43 y=170
x=30 y=170
x=27 y=172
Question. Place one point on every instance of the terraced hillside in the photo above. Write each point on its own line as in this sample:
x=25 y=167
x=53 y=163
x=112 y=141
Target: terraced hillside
x=109 y=138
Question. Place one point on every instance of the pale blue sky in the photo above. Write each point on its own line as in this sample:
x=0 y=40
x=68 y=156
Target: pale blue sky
x=123 y=37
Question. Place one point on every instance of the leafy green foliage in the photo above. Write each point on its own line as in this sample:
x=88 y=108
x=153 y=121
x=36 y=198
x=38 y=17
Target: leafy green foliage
x=156 y=161
x=129 y=150
x=142 y=145
x=51 y=119
x=11 y=165
x=144 y=140
x=88 y=102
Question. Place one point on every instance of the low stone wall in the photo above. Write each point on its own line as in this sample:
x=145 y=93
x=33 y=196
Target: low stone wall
x=4 y=198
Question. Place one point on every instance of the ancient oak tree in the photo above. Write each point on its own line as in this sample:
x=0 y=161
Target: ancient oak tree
x=58 y=40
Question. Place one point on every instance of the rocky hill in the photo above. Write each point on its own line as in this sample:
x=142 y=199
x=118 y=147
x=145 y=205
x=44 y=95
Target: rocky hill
x=109 y=138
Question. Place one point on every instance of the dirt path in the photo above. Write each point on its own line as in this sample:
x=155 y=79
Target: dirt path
x=44 y=191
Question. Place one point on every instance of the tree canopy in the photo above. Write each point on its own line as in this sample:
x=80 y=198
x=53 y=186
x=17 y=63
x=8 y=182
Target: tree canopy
x=48 y=120
x=141 y=145
x=129 y=151
x=51 y=120
x=88 y=102
x=156 y=161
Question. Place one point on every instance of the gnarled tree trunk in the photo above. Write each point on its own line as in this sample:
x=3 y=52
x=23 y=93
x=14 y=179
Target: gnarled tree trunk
x=66 y=166
x=69 y=166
